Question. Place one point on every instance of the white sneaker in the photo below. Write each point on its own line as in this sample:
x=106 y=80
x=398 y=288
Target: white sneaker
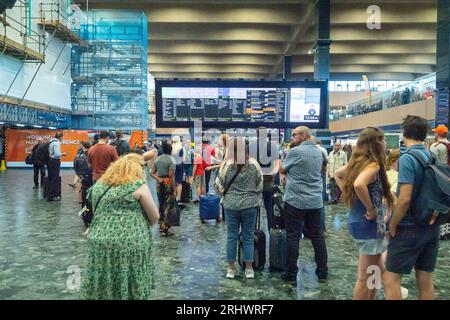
x=404 y=292
x=249 y=273
x=231 y=273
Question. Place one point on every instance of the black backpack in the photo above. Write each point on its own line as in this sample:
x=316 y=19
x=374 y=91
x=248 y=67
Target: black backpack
x=122 y=147
x=44 y=152
x=431 y=198
x=80 y=164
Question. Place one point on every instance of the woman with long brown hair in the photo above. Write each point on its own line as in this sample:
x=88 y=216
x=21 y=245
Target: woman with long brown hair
x=364 y=184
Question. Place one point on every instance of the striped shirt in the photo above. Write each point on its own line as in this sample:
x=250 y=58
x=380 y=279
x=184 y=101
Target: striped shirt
x=304 y=184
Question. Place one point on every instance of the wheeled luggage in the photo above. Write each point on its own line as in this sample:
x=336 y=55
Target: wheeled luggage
x=259 y=257
x=48 y=189
x=185 y=192
x=209 y=207
x=277 y=249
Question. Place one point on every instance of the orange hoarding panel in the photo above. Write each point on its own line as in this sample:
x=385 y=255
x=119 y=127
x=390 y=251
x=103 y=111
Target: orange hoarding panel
x=138 y=137
x=20 y=142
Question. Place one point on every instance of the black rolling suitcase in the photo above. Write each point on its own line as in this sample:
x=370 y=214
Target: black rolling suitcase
x=259 y=259
x=185 y=192
x=277 y=250
x=277 y=234
x=45 y=186
x=47 y=189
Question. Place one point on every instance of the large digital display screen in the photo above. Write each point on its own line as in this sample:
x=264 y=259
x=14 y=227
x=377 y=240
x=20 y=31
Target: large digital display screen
x=241 y=104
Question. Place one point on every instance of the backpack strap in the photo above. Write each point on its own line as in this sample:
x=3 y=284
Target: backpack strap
x=419 y=158
x=423 y=164
x=444 y=143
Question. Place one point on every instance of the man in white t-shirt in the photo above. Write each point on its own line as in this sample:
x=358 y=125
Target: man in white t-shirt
x=336 y=159
x=441 y=147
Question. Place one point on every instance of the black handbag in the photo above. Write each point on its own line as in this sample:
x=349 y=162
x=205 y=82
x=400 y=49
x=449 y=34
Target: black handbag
x=173 y=216
x=29 y=159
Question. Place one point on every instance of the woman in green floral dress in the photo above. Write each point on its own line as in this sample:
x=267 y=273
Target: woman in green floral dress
x=120 y=258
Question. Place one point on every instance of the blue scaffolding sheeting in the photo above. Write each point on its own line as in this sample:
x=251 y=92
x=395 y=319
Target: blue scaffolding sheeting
x=109 y=72
x=29 y=117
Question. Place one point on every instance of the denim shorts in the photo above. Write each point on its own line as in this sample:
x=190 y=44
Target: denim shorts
x=371 y=247
x=413 y=247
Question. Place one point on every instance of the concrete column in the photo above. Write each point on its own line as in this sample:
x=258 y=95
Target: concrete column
x=443 y=63
x=287 y=75
x=321 y=52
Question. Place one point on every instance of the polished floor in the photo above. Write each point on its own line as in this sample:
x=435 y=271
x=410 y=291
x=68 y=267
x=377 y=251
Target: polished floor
x=40 y=242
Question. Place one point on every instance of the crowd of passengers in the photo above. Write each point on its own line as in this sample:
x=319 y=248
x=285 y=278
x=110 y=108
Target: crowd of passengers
x=131 y=189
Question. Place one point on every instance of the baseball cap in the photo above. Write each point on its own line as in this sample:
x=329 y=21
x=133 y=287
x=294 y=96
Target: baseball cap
x=440 y=129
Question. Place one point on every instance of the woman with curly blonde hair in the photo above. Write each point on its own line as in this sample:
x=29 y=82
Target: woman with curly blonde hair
x=119 y=244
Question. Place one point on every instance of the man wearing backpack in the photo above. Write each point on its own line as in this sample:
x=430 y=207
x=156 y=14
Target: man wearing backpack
x=39 y=158
x=441 y=148
x=53 y=190
x=122 y=146
x=412 y=244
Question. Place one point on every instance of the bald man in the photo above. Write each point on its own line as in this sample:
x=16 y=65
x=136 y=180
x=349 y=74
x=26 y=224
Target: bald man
x=38 y=157
x=303 y=202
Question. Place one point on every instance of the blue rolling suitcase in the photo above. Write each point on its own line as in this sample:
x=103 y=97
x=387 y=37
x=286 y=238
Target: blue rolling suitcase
x=209 y=207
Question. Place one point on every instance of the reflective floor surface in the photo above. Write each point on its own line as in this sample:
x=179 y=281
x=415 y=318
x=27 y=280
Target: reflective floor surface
x=41 y=241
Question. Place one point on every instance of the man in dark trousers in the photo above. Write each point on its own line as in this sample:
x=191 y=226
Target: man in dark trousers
x=38 y=158
x=53 y=167
x=303 y=201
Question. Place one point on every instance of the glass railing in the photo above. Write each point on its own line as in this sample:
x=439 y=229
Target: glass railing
x=417 y=90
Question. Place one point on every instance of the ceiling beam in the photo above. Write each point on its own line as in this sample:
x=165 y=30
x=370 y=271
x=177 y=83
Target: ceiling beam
x=269 y=13
x=215 y=47
x=370 y=59
x=256 y=59
x=356 y=12
x=218 y=32
x=210 y=68
x=297 y=34
x=393 y=32
x=200 y=75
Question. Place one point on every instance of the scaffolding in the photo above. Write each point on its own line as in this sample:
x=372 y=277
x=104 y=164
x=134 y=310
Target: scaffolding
x=17 y=39
x=33 y=114
x=109 y=72
x=60 y=21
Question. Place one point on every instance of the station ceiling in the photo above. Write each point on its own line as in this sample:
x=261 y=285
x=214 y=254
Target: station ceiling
x=248 y=38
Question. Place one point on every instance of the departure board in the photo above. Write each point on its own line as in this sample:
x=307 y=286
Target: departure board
x=240 y=104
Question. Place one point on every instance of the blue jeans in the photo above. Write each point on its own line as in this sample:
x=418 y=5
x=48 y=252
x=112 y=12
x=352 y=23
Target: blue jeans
x=268 y=205
x=237 y=219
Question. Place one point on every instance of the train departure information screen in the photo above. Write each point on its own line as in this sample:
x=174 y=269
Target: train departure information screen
x=244 y=105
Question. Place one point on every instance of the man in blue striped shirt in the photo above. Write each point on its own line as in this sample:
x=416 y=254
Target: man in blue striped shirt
x=303 y=201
